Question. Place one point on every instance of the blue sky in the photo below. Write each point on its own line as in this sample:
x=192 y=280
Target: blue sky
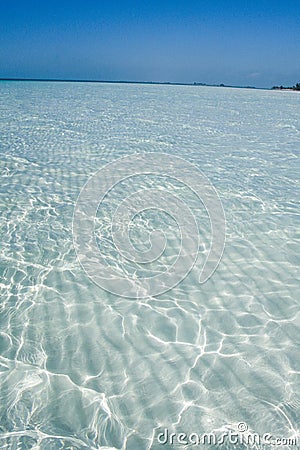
x=233 y=42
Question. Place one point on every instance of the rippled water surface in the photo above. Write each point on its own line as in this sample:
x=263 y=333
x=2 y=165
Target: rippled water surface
x=85 y=369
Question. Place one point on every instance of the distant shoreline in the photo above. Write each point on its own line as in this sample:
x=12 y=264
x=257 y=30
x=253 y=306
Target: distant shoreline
x=171 y=83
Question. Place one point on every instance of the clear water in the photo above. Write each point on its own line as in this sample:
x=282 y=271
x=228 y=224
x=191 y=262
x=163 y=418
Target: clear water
x=84 y=369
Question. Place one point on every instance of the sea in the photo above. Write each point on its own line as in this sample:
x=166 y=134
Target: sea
x=90 y=360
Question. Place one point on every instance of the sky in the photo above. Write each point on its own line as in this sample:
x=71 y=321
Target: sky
x=235 y=42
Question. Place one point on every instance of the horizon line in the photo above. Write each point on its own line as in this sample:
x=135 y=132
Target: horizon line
x=172 y=83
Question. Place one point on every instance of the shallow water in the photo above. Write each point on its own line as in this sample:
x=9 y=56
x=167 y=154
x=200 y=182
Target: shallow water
x=85 y=369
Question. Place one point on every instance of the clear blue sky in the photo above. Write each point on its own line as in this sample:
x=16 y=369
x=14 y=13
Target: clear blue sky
x=254 y=42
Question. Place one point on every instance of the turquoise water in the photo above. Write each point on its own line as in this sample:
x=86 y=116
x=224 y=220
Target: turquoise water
x=81 y=368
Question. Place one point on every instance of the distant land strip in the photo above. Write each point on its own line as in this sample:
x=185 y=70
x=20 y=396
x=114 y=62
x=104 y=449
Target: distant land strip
x=172 y=83
x=296 y=87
